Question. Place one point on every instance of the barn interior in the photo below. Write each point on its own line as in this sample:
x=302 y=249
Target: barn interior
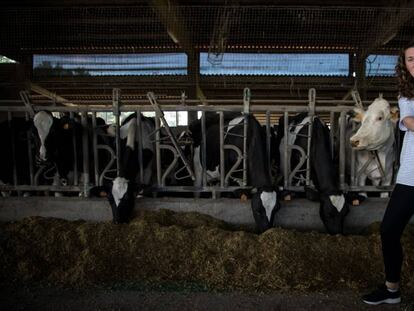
x=350 y=40
x=74 y=53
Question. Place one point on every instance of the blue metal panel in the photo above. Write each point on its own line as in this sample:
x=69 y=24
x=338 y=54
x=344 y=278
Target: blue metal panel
x=381 y=65
x=111 y=64
x=292 y=64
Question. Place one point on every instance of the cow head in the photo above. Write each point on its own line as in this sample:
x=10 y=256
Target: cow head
x=48 y=129
x=121 y=191
x=264 y=206
x=332 y=210
x=121 y=196
x=43 y=122
x=376 y=126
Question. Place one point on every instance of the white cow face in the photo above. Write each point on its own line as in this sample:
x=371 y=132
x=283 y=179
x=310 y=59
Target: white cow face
x=43 y=122
x=376 y=126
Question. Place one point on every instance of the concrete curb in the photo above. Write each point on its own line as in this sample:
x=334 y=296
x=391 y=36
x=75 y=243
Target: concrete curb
x=299 y=214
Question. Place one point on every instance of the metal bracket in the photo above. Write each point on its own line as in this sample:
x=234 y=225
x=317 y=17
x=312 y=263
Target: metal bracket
x=312 y=100
x=357 y=99
x=26 y=100
x=246 y=100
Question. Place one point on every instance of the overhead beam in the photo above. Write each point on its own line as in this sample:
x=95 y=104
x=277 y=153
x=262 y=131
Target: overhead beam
x=169 y=15
x=53 y=96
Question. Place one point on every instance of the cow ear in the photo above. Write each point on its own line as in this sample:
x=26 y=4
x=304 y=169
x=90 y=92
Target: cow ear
x=395 y=114
x=359 y=115
x=66 y=123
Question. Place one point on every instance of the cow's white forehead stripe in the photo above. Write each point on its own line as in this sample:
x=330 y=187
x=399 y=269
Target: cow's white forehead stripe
x=43 y=122
x=119 y=188
x=338 y=201
x=268 y=202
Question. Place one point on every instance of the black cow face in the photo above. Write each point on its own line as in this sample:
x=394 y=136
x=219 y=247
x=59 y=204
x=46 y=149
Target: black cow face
x=332 y=210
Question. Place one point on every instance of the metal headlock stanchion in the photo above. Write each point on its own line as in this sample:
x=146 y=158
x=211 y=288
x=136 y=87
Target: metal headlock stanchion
x=116 y=95
x=311 y=113
x=160 y=115
x=85 y=149
x=246 y=113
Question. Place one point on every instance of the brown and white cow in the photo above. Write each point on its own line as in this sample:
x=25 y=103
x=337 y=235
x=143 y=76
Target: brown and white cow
x=374 y=142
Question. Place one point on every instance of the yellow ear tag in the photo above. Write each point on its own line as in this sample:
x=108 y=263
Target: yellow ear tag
x=66 y=126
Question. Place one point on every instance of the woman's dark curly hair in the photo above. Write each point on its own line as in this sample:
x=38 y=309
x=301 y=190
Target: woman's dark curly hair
x=405 y=79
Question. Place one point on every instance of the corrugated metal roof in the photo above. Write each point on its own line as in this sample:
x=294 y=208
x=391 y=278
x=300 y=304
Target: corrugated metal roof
x=111 y=64
x=289 y=64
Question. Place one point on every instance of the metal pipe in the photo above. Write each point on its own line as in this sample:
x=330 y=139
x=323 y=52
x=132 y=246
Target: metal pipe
x=332 y=132
x=287 y=152
x=140 y=155
x=268 y=142
x=246 y=112
x=95 y=149
x=203 y=149
x=115 y=107
x=158 y=150
x=222 y=164
x=342 y=151
x=312 y=98
x=85 y=155
x=75 y=151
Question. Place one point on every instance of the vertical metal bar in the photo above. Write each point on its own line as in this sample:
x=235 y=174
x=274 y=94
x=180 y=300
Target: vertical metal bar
x=29 y=151
x=115 y=106
x=268 y=141
x=75 y=152
x=140 y=156
x=353 y=157
x=203 y=149
x=158 y=150
x=222 y=167
x=342 y=151
x=312 y=98
x=139 y=143
x=286 y=167
x=332 y=132
x=246 y=112
x=95 y=149
x=85 y=150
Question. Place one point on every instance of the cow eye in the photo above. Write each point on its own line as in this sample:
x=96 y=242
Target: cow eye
x=379 y=118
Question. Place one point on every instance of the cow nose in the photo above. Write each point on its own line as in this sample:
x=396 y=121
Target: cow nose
x=354 y=143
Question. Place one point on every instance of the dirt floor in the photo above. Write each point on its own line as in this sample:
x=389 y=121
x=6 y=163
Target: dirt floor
x=32 y=297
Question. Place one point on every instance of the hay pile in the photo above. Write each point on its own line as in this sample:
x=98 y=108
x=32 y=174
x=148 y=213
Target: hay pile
x=169 y=247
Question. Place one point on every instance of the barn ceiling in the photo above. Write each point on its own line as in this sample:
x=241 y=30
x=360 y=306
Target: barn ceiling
x=103 y=26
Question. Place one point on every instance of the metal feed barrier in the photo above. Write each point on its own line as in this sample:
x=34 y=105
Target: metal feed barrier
x=336 y=109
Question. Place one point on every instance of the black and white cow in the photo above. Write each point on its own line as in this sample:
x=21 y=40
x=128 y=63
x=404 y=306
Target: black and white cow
x=121 y=192
x=333 y=207
x=54 y=138
x=264 y=201
x=374 y=141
